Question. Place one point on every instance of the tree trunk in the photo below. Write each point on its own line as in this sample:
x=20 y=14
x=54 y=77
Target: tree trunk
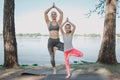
x=10 y=45
x=107 y=53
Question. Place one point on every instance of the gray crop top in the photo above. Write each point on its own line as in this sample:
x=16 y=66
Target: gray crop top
x=53 y=27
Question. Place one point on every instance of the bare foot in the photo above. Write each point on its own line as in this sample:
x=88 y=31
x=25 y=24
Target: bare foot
x=68 y=76
x=54 y=70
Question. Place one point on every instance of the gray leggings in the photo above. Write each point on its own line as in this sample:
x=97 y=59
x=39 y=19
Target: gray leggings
x=51 y=44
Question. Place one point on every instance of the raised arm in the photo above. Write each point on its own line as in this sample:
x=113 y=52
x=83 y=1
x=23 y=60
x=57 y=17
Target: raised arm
x=61 y=15
x=61 y=27
x=46 y=15
x=74 y=27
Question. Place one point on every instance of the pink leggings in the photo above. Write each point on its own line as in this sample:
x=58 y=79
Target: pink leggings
x=71 y=52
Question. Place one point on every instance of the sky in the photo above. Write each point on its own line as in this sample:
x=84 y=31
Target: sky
x=29 y=16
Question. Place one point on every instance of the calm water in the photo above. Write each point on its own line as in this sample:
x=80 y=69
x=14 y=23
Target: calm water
x=34 y=50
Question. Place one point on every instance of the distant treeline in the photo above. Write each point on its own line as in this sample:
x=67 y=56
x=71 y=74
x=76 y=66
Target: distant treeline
x=88 y=35
x=29 y=34
x=38 y=34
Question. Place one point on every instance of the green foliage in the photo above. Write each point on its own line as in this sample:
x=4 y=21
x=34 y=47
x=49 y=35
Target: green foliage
x=100 y=8
x=24 y=65
x=35 y=65
x=89 y=35
x=29 y=35
x=38 y=34
x=118 y=35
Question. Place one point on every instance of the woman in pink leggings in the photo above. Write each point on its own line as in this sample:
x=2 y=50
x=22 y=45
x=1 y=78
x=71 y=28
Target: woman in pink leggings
x=68 y=47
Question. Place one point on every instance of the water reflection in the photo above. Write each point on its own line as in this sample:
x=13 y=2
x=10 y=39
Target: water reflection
x=34 y=50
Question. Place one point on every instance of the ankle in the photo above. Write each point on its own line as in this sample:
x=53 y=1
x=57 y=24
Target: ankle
x=54 y=70
x=68 y=75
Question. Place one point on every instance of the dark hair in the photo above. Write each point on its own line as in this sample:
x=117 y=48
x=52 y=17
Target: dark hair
x=68 y=25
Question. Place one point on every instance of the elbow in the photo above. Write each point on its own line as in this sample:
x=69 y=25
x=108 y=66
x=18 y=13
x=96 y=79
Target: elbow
x=46 y=12
x=74 y=27
x=61 y=12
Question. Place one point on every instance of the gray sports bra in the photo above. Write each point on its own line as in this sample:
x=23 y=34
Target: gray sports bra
x=53 y=27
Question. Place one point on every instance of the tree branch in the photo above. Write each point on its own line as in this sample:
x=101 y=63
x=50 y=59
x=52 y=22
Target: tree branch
x=100 y=8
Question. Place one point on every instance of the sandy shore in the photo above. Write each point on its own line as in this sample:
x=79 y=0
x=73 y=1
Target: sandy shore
x=109 y=71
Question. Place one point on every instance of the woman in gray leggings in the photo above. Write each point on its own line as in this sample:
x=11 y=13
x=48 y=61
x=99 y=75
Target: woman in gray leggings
x=53 y=27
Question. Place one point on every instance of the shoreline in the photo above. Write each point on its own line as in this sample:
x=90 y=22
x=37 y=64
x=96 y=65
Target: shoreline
x=38 y=34
x=110 y=71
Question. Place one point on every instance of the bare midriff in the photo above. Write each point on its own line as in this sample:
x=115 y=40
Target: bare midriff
x=54 y=34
